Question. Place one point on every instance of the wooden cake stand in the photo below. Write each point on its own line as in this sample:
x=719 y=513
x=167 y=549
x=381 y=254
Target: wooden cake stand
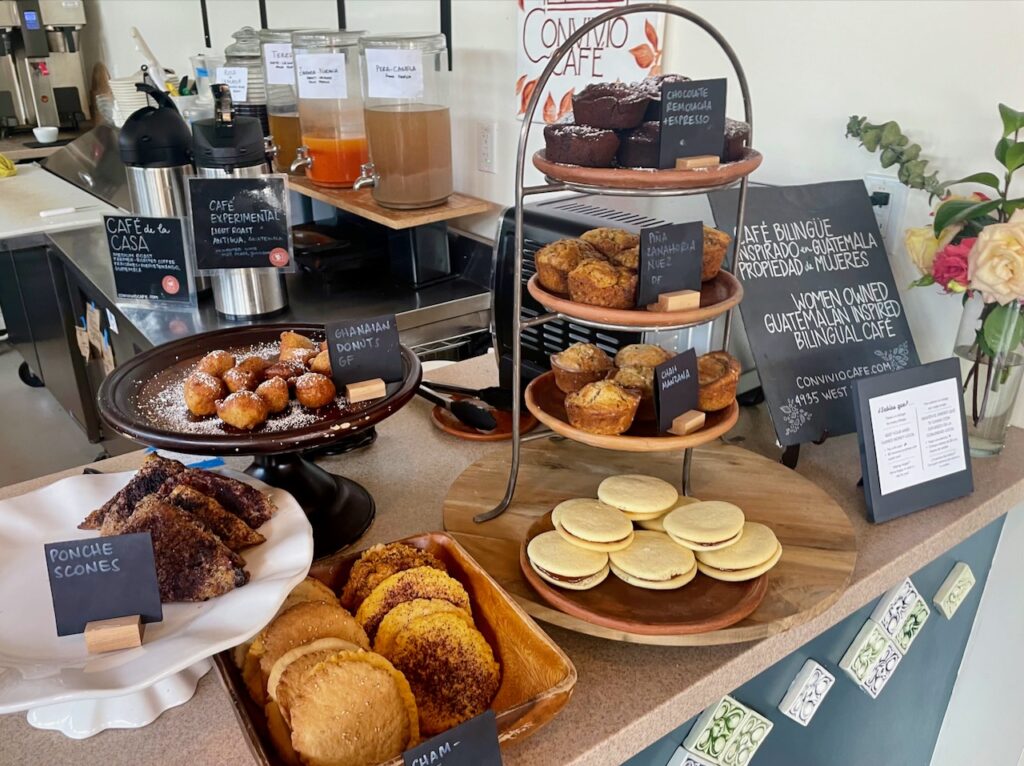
x=818 y=543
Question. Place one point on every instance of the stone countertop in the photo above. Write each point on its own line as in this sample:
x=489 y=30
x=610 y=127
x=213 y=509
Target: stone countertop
x=32 y=189
x=628 y=695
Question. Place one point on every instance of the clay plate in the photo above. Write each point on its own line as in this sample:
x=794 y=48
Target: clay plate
x=638 y=178
x=125 y=398
x=447 y=422
x=702 y=605
x=717 y=296
x=545 y=400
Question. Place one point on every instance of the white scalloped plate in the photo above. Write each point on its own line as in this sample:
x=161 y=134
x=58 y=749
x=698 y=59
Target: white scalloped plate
x=80 y=719
x=39 y=668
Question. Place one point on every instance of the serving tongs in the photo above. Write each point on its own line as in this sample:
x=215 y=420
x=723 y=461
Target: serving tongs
x=496 y=396
x=464 y=410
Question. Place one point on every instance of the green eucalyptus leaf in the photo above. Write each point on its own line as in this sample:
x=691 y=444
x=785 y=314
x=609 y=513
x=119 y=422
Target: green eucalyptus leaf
x=870 y=138
x=1014 y=156
x=911 y=152
x=902 y=141
x=890 y=133
x=1012 y=119
x=1001 y=149
x=917 y=167
x=1003 y=328
x=916 y=181
x=990 y=180
x=957 y=210
x=926 y=281
x=889 y=157
x=904 y=174
x=853 y=125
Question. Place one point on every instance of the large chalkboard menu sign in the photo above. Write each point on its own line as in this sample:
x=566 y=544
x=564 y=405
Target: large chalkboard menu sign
x=148 y=259
x=240 y=223
x=820 y=306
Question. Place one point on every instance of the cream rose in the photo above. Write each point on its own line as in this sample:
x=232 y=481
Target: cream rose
x=995 y=265
x=922 y=245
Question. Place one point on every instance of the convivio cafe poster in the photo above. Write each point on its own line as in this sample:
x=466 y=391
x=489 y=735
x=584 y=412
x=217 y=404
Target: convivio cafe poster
x=628 y=48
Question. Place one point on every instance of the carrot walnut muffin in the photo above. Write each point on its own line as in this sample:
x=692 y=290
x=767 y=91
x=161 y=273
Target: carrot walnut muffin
x=716 y=243
x=578 y=365
x=610 y=241
x=599 y=283
x=556 y=260
x=603 y=407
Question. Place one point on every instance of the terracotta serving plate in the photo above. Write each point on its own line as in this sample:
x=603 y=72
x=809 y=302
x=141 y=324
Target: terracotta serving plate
x=717 y=296
x=447 y=422
x=639 y=178
x=702 y=605
x=537 y=678
x=547 y=402
x=126 y=398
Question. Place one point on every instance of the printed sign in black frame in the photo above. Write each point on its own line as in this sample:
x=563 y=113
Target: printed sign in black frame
x=100 y=578
x=884 y=507
x=670 y=260
x=820 y=305
x=364 y=349
x=149 y=260
x=692 y=120
x=241 y=223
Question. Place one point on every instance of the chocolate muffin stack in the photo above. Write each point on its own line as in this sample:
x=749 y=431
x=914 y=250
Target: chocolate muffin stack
x=619 y=125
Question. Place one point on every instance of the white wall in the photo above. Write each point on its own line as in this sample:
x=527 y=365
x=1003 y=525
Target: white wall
x=938 y=68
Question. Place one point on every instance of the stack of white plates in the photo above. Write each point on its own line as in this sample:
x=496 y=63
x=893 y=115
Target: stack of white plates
x=126 y=99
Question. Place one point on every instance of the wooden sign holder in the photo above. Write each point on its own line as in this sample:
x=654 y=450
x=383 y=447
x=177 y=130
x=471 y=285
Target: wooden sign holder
x=700 y=161
x=113 y=634
x=680 y=300
x=365 y=390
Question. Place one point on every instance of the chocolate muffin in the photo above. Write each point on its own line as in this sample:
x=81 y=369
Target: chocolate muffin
x=641 y=148
x=652 y=87
x=737 y=134
x=572 y=144
x=613 y=105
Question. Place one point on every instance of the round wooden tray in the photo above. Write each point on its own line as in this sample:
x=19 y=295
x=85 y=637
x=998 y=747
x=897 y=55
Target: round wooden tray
x=703 y=604
x=638 y=178
x=717 y=296
x=125 y=398
x=818 y=542
x=547 y=402
x=447 y=422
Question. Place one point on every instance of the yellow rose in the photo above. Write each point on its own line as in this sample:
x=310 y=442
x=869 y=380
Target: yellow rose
x=995 y=265
x=921 y=246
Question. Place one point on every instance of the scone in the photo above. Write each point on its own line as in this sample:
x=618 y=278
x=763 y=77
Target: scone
x=599 y=283
x=641 y=355
x=718 y=374
x=716 y=244
x=609 y=241
x=641 y=380
x=603 y=407
x=578 y=365
x=555 y=261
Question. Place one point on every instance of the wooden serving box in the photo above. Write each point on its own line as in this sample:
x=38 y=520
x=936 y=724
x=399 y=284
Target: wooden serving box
x=537 y=677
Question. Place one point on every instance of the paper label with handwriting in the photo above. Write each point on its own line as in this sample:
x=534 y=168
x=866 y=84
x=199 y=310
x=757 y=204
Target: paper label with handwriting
x=237 y=79
x=321 y=75
x=394 y=73
x=277 y=60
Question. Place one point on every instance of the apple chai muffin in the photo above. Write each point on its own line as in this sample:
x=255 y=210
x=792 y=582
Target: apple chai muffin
x=578 y=365
x=603 y=407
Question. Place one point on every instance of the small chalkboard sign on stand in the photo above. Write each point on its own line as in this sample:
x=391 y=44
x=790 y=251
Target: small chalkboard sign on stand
x=104 y=587
x=365 y=355
x=692 y=122
x=149 y=261
x=676 y=387
x=471 y=743
x=669 y=268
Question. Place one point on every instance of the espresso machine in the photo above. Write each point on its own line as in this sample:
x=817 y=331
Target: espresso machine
x=42 y=78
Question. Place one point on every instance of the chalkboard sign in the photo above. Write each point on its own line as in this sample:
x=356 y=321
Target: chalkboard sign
x=100 y=578
x=363 y=349
x=473 y=743
x=913 y=439
x=692 y=120
x=820 y=306
x=675 y=388
x=240 y=223
x=670 y=260
x=149 y=260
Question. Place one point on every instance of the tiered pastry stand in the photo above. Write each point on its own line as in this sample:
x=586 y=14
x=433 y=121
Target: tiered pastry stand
x=717 y=300
x=819 y=544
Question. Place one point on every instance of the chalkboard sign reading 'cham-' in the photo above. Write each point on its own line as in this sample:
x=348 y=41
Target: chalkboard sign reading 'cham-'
x=675 y=388
x=240 y=223
x=148 y=259
x=364 y=349
x=670 y=260
x=820 y=306
x=101 y=578
x=693 y=120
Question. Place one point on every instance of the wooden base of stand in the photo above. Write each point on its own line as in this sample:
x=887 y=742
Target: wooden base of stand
x=700 y=161
x=365 y=390
x=113 y=634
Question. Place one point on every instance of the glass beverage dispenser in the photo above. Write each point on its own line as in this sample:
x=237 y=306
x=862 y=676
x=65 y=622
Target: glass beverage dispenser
x=282 y=103
x=405 y=87
x=243 y=73
x=333 y=148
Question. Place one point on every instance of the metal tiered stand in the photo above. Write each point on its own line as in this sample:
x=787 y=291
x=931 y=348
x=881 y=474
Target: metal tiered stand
x=658 y=323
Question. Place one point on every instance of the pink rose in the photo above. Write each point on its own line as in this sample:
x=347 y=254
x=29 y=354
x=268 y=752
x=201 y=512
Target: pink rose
x=949 y=269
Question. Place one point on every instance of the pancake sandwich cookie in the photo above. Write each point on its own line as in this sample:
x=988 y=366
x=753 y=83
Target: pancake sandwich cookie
x=593 y=525
x=639 y=497
x=756 y=552
x=708 y=526
x=653 y=561
x=566 y=565
x=657 y=524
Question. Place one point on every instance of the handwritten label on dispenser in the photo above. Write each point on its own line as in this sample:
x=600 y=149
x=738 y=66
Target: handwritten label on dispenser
x=237 y=80
x=394 y=73
x=277 y=59
x=321 y=75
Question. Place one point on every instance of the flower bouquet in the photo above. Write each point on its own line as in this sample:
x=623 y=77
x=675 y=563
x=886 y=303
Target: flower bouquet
x=975 y=249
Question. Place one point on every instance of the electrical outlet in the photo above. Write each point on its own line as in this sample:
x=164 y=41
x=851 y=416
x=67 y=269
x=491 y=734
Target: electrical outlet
x=889 y=216
x=486 y=141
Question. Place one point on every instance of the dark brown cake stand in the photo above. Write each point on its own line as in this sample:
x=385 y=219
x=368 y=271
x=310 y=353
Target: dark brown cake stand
x=339 y=509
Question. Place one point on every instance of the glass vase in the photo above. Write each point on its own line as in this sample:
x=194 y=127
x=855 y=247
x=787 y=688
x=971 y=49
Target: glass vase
x=991 y=368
